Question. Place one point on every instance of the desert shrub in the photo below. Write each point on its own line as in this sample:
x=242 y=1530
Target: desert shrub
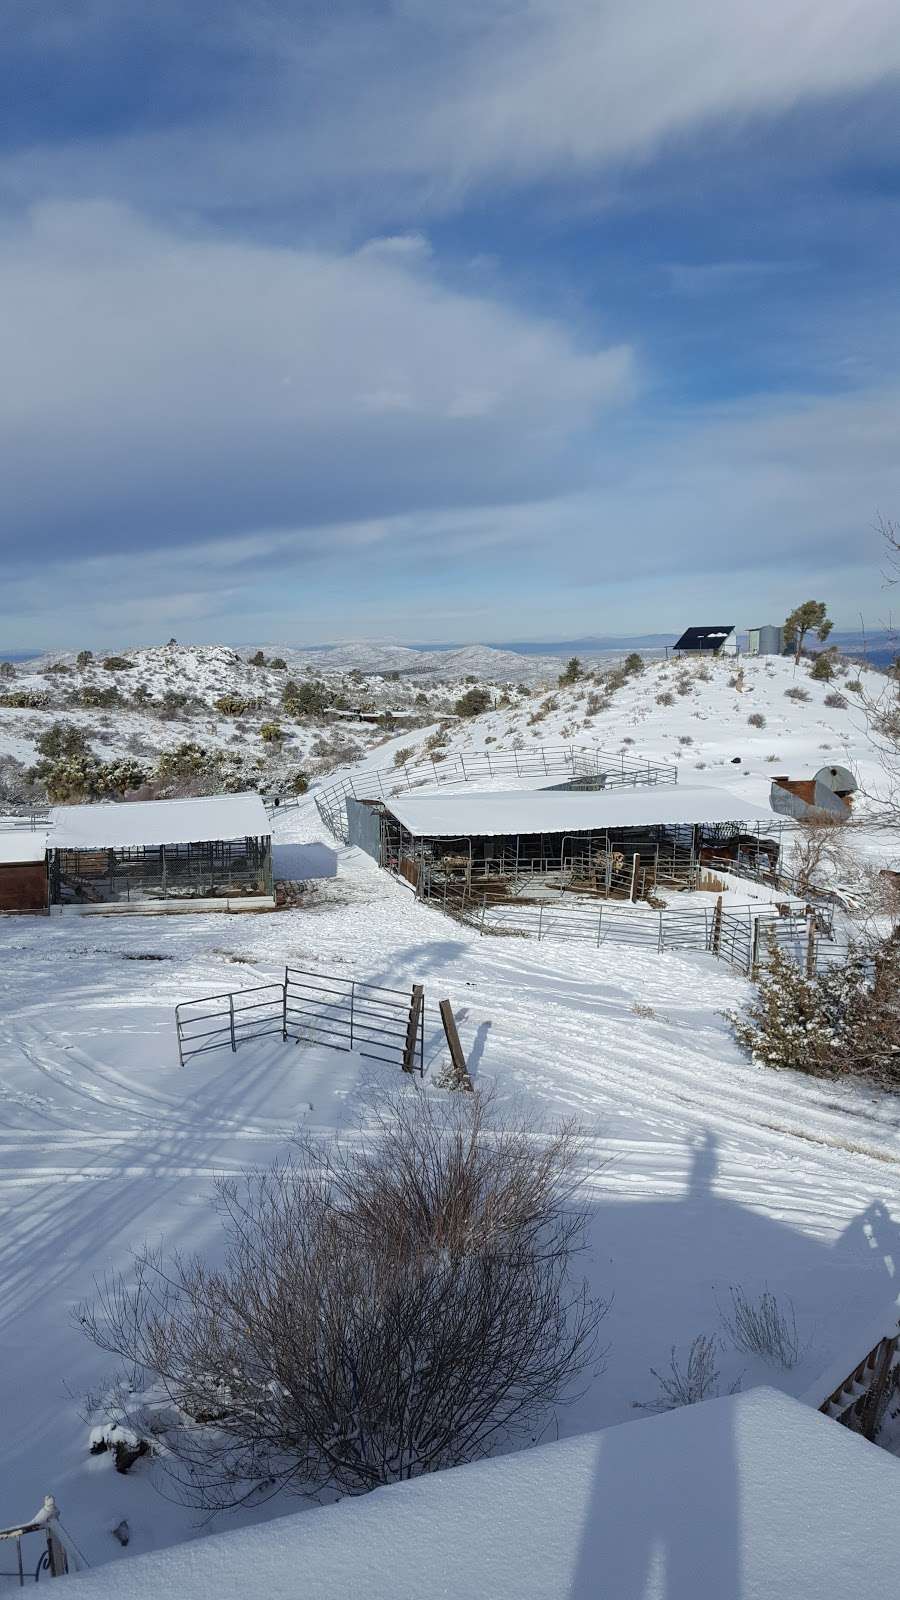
x=633 y=663
x=756 y=719
x=703 y=675
x=117 y=664
x=91 y=695
x=836 y=701
x=61 y=741
x=7 y=670
x=233 y=705
x=380 y=1311
x=763 y=1328
x=844 y=1020
x=796 y=693
x=173 y=704
x=257 y=660
x=473 y=703
x=278 y=664
x=84 y=658
x=571 y=673
x=187 y=760
x=666 y=698
x=271 y=733
x=25 y=699
x=822 y=669
x=402 y=756
x=299 y=783
x=307 y=699
x=628 y=741
x=596 y=703
x=436 y=740
x=59 y=669
x=853 y=685
x=685 y=739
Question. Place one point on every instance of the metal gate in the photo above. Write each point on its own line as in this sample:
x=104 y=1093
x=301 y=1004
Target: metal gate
x=385 y=1024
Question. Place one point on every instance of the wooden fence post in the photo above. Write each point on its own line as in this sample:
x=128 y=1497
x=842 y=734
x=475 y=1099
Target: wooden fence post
x=754 y=949
x=460 y=1066
x=416 y=1005
x=810 y=942
x=231 y=1020
x=635 y=864
x=717 y=926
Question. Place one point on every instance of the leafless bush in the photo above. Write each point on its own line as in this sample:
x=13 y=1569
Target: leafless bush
x=684 y=1384
x=381 y=1311
x=763 y=1328
x=756 y=719
x=819 y=851
x=796 y=693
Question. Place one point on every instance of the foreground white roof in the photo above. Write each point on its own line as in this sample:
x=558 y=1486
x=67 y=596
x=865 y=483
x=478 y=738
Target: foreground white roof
x=21 y=845
x=752 y=1497
x=476 y=813
x=127 y=824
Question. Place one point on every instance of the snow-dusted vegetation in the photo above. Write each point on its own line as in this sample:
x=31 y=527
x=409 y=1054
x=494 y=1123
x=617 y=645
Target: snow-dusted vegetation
x=741 y=1224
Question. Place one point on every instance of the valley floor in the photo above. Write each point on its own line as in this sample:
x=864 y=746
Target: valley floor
x=703 y=1170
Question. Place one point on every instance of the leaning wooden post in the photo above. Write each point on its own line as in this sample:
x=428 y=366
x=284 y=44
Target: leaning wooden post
x=460 y=1066
x=416 y=1005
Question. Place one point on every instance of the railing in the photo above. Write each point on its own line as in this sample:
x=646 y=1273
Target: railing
x=599 y=768
x=53 y=1558
x=386 y=1025
x=33 y=822
x=859 y=1401
x=738 y=937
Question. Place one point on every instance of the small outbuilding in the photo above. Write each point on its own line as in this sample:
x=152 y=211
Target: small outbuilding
x=213 y=852
x=765 y=641
x=720 y=641
x=829 y=792
x=23 y=869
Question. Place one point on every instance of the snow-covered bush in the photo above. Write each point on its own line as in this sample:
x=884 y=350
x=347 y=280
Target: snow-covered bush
x=842 y=1020
x=379 y=1311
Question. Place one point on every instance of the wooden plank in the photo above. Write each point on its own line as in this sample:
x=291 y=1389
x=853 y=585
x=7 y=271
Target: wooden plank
x=416 y=1008
x=452 y=1036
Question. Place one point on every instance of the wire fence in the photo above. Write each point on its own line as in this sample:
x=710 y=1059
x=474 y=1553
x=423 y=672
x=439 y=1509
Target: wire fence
x=597 y=768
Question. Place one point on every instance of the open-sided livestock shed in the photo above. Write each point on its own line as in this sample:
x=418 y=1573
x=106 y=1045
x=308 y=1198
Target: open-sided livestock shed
x=216 y=849
x=590 y=838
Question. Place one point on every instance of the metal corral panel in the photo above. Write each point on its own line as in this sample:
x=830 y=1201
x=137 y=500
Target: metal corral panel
x=364 y=827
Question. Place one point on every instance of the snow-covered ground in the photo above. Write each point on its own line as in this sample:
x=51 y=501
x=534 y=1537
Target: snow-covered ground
x=703 y=1170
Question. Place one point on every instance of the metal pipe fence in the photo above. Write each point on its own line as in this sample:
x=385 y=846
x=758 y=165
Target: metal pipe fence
x=597 y=768
x=386 y=1025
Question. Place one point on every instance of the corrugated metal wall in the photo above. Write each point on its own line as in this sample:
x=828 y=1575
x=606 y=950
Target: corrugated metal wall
x=364 y=827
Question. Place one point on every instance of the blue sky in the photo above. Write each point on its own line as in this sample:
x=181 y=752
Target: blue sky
x=510 y=318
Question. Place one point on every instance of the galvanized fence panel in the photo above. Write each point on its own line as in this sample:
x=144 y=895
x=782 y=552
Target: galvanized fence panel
x=567 y=762
x=349 y=1014
x=228 y=1019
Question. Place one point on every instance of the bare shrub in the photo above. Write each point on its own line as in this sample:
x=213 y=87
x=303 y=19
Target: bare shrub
x=796 y=693
x=666 y=698
x=819 y=852
x=684 y=1384
x=836 y=701
x=756 y=719
x=685 y=739
x=763 y=1328
x=381 y=1310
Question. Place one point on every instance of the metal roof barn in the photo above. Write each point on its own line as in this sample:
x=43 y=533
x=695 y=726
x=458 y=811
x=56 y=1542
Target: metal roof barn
x=550 y=811
x=127 y=824
x=216 y=849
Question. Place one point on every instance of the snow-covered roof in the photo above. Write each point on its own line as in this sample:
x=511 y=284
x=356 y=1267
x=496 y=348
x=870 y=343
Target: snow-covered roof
x=477 y=813
x=22 y=845
x=753 y=1495
x=129 y=824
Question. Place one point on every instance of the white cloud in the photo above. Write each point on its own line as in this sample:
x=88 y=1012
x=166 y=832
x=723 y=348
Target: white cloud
x=160 y=387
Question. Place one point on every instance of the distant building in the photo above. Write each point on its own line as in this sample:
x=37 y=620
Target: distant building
x=23 y=868
x=831 y=791
x=765 y=641
x=720 y=641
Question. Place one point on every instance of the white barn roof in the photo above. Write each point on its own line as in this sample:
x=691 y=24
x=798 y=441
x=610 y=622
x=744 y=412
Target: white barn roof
x=129 y=824
x=476 y=814
x=19 y=846
x=753 y=1495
